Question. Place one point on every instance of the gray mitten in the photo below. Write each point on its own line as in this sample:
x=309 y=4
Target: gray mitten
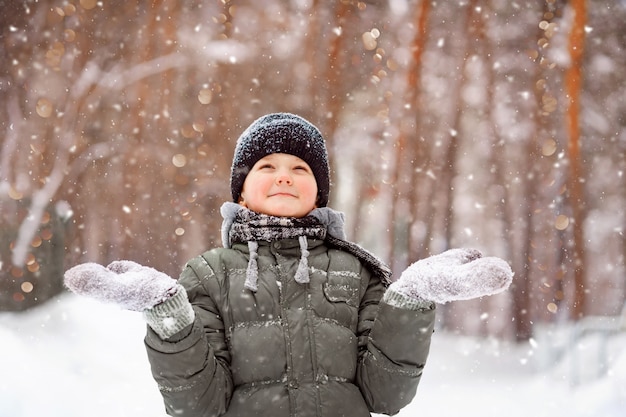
x=457 y=274
x=125 y=283
x=138 y=288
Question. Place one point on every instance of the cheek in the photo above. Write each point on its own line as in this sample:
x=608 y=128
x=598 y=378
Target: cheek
x=257 y=186
x=312 y=190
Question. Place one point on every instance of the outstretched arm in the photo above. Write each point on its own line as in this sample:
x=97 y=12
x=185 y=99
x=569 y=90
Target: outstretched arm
x=394 y=343
x=192 y=367
x=399 y=330
x=185 y=340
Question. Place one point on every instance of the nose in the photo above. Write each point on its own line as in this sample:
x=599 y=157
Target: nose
x=283 y=178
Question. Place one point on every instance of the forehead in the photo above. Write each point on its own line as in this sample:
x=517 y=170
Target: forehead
x=281 y=157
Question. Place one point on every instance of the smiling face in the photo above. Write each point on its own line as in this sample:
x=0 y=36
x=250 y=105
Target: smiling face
x=280 y=185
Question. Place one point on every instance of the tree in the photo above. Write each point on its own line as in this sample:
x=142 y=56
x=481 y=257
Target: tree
x=576 y=198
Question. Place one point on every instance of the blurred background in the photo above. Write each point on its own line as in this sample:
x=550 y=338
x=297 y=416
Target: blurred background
x=492 y=124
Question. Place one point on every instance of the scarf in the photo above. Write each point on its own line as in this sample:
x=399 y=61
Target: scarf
x=243 y=225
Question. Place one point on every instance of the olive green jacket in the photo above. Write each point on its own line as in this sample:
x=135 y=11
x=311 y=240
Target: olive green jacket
x=327 y=348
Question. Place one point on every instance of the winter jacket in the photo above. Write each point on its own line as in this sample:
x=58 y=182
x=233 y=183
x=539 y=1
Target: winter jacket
x=327 y=348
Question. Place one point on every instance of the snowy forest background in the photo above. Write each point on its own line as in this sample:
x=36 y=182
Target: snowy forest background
x=492 y=124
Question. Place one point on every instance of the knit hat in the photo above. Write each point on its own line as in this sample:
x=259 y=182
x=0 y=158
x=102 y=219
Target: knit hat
x=281 y=133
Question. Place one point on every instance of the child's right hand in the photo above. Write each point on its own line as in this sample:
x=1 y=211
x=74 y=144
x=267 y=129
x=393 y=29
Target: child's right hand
x=135 y=287
x=125 y=283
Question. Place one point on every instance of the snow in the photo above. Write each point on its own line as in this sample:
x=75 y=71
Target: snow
x=75 y=357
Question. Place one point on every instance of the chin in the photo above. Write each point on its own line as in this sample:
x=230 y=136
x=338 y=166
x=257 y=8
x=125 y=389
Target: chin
x=288 y=214
x=285 y=212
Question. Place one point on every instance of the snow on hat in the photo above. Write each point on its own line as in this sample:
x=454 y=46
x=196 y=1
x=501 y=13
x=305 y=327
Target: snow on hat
x=281 y=133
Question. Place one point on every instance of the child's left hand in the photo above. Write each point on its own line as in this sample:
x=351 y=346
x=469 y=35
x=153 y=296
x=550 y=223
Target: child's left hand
x=457 y=274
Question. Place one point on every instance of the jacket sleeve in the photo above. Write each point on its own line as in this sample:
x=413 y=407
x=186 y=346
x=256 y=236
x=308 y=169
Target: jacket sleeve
x=394 y=344
x=192 y=368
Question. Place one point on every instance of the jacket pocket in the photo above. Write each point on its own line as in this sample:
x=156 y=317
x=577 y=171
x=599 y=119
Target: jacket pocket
x=343 y=287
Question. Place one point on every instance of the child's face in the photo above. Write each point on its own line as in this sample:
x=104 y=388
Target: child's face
x=280 y=185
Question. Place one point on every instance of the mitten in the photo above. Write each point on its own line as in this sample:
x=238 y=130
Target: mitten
x=457 y=274
x=138 y=288
x=125 y=283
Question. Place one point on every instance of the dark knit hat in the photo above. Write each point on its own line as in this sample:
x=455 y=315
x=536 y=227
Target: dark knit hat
x=281 y=133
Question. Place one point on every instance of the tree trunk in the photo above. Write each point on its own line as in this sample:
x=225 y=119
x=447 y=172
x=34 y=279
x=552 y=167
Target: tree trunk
x=573 y=84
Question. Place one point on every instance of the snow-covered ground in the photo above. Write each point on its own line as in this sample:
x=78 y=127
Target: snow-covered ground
x=74 y=357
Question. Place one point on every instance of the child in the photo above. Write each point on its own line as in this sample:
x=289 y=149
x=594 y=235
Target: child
x=288 y=318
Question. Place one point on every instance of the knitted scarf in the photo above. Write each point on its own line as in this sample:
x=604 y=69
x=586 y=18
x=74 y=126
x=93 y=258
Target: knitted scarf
x=243 y=225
